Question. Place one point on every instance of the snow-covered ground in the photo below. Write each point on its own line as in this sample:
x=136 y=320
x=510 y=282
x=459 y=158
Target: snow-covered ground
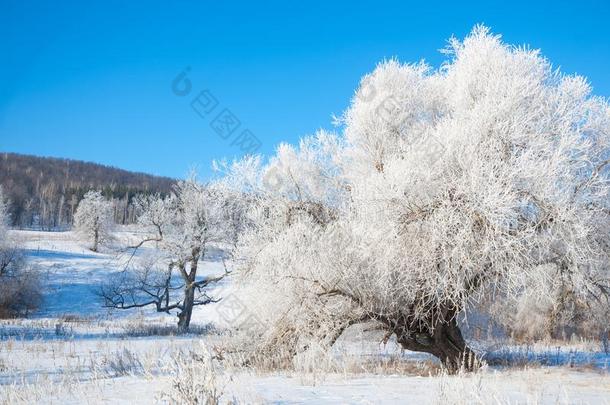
x=75 y=351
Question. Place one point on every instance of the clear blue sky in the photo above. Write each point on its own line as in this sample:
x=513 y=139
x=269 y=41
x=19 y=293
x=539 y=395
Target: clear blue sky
x=93 y=82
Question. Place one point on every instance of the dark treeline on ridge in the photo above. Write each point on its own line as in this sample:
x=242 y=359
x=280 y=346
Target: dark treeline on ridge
x=44 y=192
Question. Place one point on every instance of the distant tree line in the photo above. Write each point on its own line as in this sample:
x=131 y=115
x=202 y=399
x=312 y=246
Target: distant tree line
x=44 y=192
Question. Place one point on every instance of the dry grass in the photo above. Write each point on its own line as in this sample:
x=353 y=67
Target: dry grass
x=95 y=355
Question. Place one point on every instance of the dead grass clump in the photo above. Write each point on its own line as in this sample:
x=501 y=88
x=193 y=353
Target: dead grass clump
x=144 y=329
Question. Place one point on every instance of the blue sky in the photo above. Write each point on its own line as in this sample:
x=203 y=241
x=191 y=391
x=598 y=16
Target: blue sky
x=94 y=81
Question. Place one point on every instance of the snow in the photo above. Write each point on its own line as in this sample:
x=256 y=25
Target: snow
x=75 y=351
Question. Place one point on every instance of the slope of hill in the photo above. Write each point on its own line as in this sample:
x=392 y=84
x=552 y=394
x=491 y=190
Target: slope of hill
x=44 y=191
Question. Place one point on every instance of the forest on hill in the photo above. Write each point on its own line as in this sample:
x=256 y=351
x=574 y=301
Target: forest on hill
x=44 y=192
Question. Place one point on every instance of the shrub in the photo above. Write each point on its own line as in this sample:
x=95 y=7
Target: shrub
x=19 y=284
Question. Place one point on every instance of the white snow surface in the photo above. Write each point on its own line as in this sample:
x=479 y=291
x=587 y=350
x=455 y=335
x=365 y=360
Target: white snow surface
x=75 y=351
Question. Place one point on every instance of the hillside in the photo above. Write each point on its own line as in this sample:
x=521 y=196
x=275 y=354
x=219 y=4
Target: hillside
x=45 y=191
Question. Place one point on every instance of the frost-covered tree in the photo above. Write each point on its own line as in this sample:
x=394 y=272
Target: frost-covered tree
x=551 y=309
x=480 y=179
x=182 y=228
x=4 y=216
x=93 y=219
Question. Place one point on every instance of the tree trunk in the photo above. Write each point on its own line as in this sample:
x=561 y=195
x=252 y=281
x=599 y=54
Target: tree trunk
x=446 y=343
x=184 y=317
x=96 y=238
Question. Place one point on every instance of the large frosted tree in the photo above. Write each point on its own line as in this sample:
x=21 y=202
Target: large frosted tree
x=482 y=178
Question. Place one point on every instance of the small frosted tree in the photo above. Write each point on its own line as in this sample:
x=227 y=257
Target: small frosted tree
x=182 y=228
x=481 y=179
x=93 y=219
x=4 y=216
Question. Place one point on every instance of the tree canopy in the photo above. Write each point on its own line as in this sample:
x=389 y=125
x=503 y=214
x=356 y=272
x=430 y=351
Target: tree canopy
x=487 y=176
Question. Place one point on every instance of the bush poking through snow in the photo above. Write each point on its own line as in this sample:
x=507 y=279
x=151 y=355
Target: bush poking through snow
x=195 y=380
x=20 y=287
x=123 y=363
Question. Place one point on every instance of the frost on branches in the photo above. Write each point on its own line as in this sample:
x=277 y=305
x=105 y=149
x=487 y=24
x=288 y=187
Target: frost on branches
x=482 y=179
x=93 y=220
x=182 y=227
